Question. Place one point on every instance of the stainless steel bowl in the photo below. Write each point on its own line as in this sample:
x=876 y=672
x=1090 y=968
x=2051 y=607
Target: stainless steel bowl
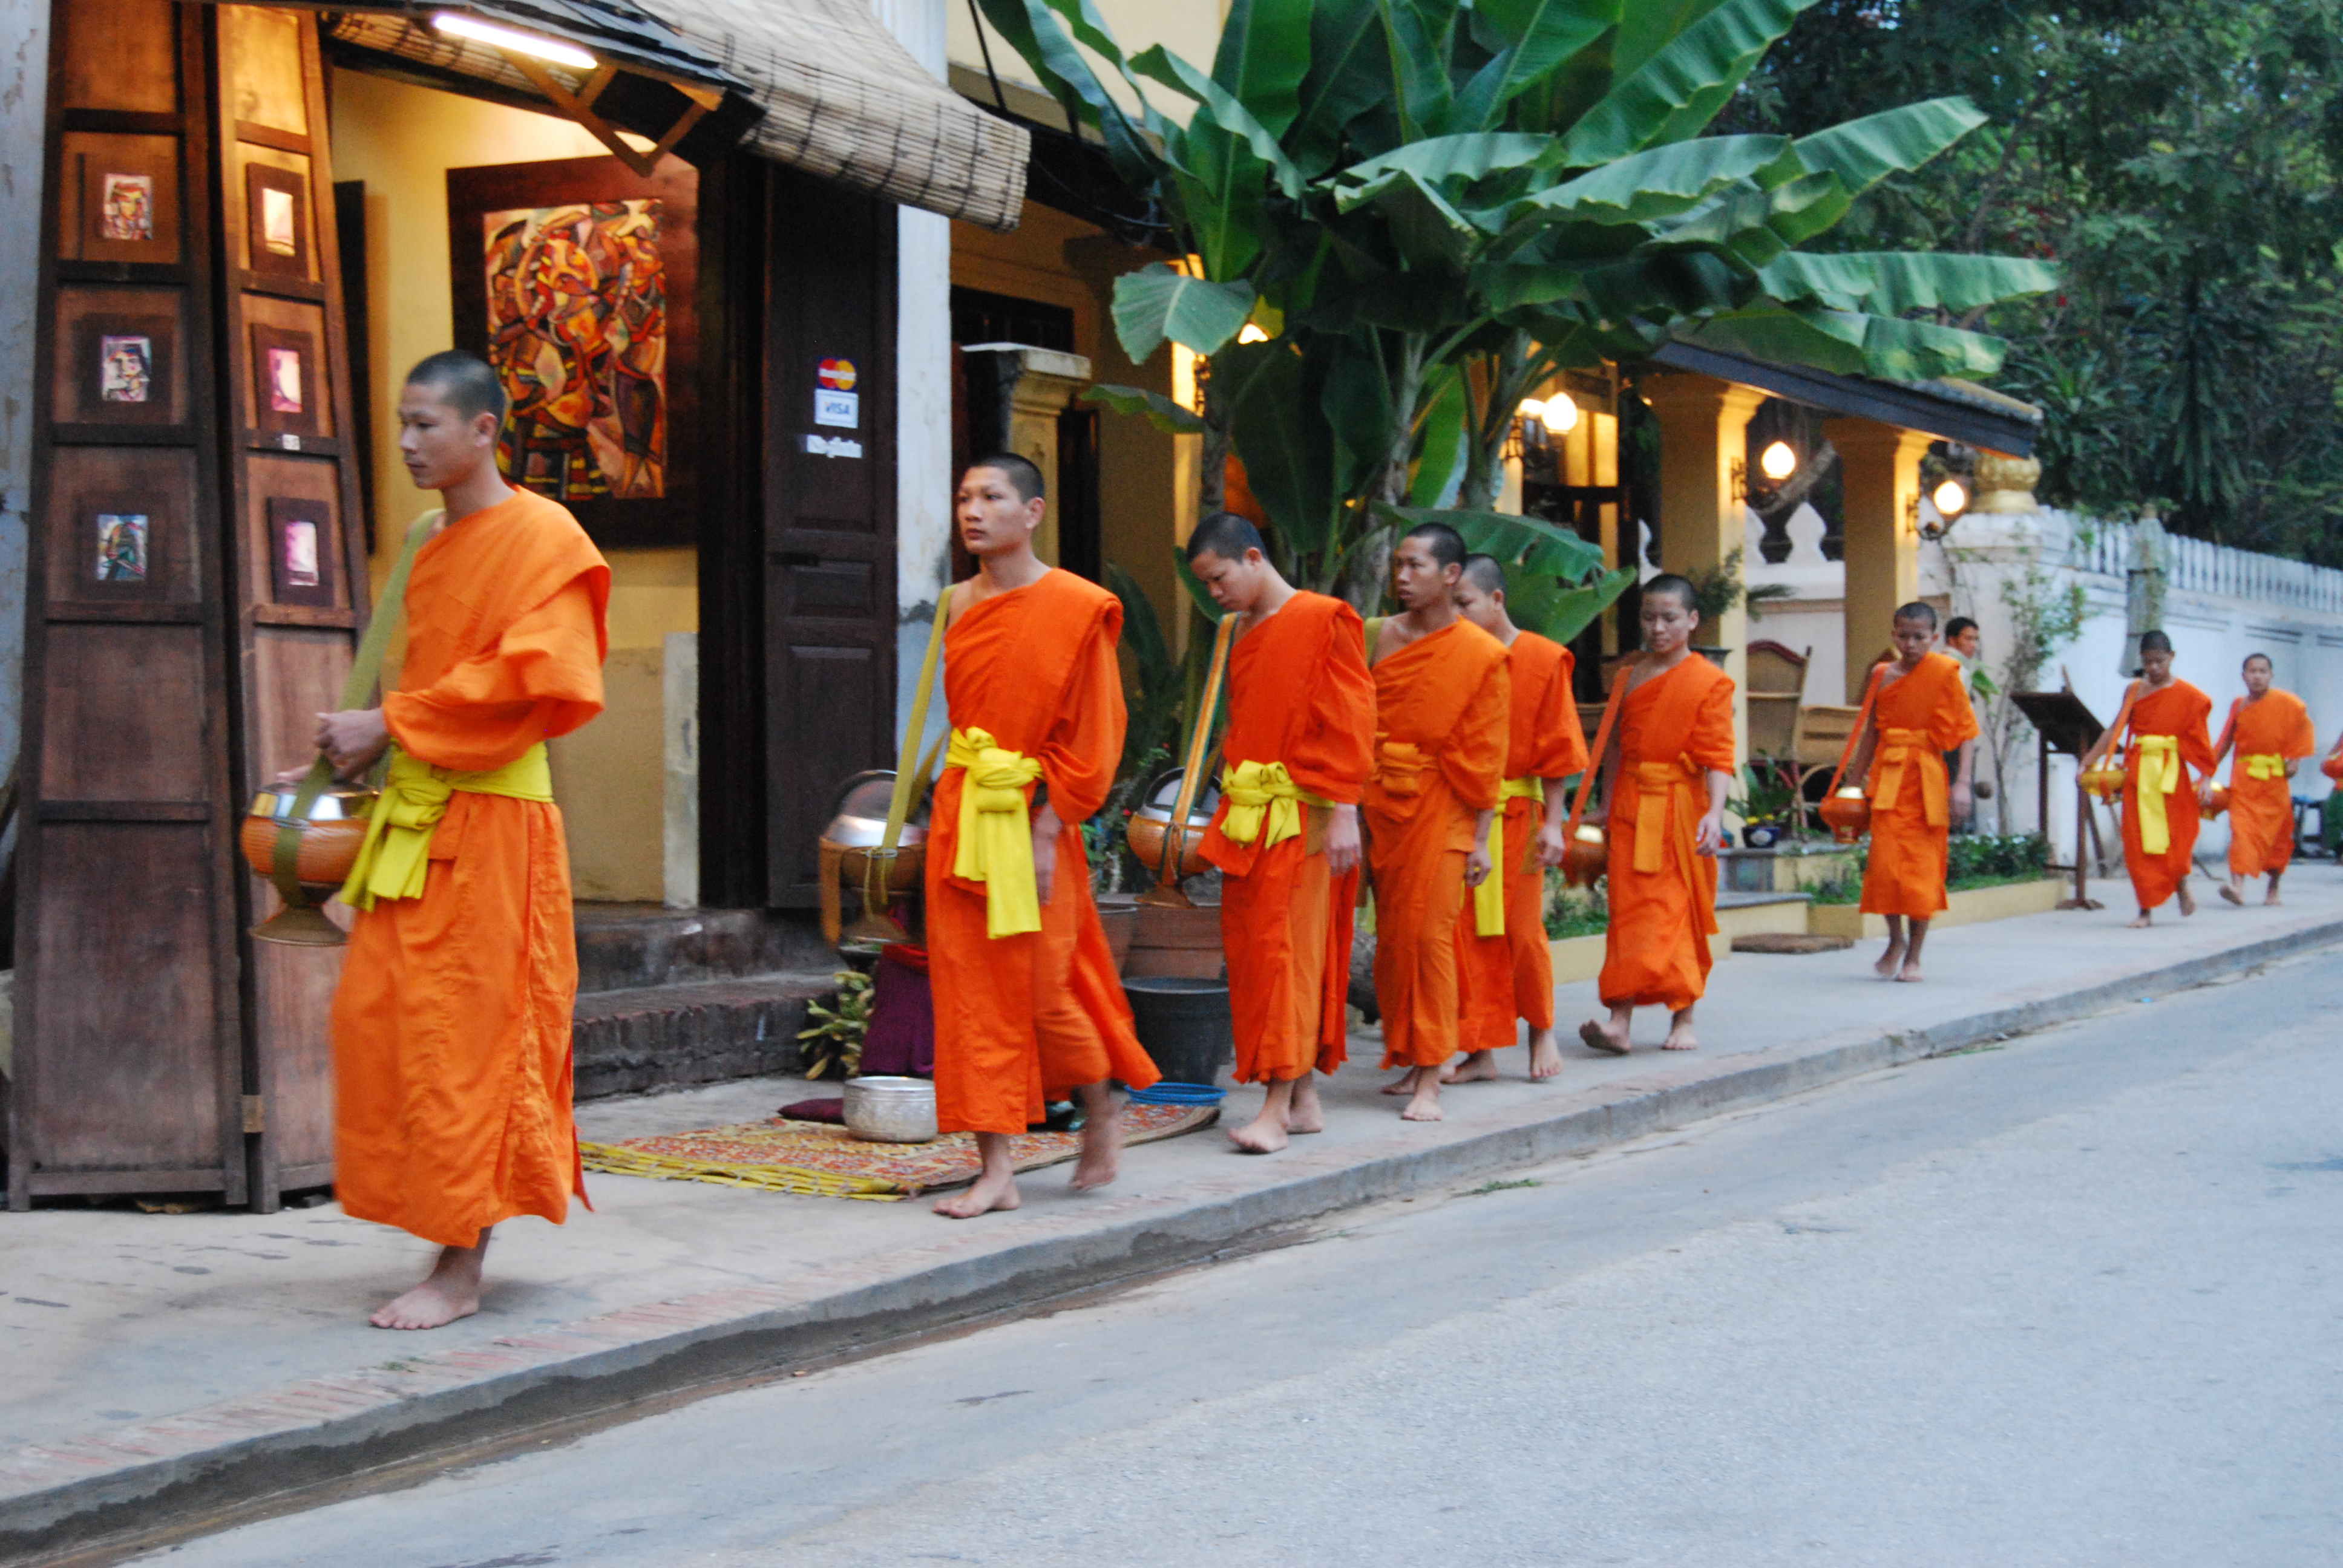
x=891 y=1109
x=1162 y=793
x=857 y=817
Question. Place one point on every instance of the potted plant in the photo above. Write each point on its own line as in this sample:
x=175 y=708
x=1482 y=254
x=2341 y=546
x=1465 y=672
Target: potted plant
x=1766 y=806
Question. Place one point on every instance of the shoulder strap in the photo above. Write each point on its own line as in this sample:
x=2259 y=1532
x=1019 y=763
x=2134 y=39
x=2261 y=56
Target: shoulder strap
x=365 y=672
x=2123 y=716
x=1373 y=628
x=1619 y=684
x=1862 y=722
x=911 y=771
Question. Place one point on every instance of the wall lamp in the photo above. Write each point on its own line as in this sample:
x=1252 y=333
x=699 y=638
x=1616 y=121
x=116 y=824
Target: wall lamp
x=1951 y=499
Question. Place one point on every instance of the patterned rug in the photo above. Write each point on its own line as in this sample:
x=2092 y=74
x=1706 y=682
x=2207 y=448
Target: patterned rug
x=830 y=1162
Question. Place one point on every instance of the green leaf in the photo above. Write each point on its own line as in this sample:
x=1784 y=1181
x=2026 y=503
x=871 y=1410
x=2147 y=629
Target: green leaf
x=1428 y=230
x=1438 y=160
x=1156 y=303
x=1438 y=441
x=1863 y=152
x=1152 y=406
x=1898 y=281
x=1035 y=32
x=1197 y=591
x=1665 y=181
x=1544 y=34
x=1278 y=430
x=1852 y=343
x=1349 y=74
x=1531 y=544
x=1678 y=90
x=1163 y=65
x=1263 y=56
x=1143 y=634
x=1551 y=608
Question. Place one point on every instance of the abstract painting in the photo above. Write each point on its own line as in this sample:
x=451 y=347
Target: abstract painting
x=285 y=390
x=122 y=547
x=125 y=367
x=126 y=210
x=301 y=556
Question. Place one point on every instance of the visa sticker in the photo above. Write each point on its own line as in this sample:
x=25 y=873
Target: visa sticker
x=842 y=410
x=837 y=375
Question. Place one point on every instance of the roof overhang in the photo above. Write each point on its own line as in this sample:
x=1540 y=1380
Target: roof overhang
x=1955 y=410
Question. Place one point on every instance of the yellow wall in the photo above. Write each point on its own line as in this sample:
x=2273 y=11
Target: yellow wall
x=401 y=140
x=1189 y=28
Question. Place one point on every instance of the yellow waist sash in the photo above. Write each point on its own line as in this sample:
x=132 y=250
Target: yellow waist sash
x=1909 y=749
x=396 y=852
x=1264 y=803
x=2160 y=776
x=996 y=831
x=1489 y=898
x=2263 y=765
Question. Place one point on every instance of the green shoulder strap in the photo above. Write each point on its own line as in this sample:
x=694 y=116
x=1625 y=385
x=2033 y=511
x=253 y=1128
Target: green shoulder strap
x=366 y=670
x=1374 y=633
x=910 y=769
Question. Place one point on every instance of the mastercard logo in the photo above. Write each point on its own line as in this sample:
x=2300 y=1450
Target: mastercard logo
x=837 y=375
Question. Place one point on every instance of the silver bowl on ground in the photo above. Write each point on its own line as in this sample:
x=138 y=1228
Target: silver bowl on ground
x=891 y=1109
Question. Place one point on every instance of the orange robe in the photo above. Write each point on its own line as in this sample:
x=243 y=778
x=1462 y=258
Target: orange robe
x=2179 y=710
x=1919 y=717
x=1673 y=729
x=1022 y=1020
x=1511 y=977
x=451 y=1026
x=1299 y=695
x=2261 y=796
x=1441 y=708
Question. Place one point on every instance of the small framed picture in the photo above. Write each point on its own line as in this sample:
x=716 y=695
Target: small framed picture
x=126 y=209
x=120 y=196
x=301 y=554
x=122 y=547
x=125 y=369
x=285 y=391
x=277 y=220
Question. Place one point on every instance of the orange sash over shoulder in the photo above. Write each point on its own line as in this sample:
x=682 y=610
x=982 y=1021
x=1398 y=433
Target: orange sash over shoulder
x=1673 y=729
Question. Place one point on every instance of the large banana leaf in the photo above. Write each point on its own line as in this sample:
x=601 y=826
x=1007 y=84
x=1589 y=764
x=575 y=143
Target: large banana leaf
x=1850 y=342
x=1438 y=160
x=1035 y=32
x=1283 y=437
x=1214 y=100
x=1156 y=303
x=1263 y=56
x=1158 y=410
x=1440 y=443
x=1552 y=608
x=1543 y=36
x=1863 y=152
x=1642 y=187
x=1349 y=74
x=1531 y=543
x=1678 y=90
x=1889 y=283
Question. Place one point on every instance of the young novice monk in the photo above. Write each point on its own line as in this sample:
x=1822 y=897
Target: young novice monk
x=451 y=1026
x=2271 y=731
x=1300 y=744
x=1919 y=712
x=1441 y=708
x=1665 y=771
x=1503 y=964
x=2165 y=717
x=1028 y=1006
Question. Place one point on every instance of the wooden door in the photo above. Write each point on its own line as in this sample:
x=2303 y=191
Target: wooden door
x=129 y=1050
x=829 y=511
x=296 y=543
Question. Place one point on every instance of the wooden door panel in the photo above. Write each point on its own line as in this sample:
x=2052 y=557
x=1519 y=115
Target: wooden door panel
x=821 y=738
x=124 y=714
x=89 y=484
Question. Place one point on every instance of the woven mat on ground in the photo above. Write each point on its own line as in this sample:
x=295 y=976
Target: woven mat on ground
x=830 y=1162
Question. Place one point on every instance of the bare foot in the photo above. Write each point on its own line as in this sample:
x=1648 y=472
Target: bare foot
x=1305 y=1114
x=1264 y=1134
x=1546 y=1060
x=1886 y=968
x=1598 y=1037
x=1403 y=1084
x=2187 y=902
x=992 y=1191
x=2270 y=898
x=2229 y=891
x=1425 y=1105
x=1680 y=1034
x=1477 y=1067
x=2141 y=924
x=452 y=1291
x=1910 y=971
x=1102 y=1159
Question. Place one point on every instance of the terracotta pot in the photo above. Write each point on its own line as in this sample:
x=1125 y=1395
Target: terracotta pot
x=1847 y=814
x=1586 y=857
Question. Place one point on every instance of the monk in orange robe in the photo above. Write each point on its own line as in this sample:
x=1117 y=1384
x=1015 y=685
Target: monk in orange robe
x=1442 y=703
x=1918 y=710
x=1028 y=1004
x=1507 y=972
x=2271 y=731
x=2166 y=719
x=1666 y=768
x=451 y=1026
x=1294 y=761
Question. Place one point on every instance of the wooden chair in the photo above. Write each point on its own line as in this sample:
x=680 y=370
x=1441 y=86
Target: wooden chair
x=1777 y=684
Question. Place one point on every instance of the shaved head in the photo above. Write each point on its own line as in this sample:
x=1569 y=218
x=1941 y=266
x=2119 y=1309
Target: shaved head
x=1446 y=544
x=1668 y=584
x=1916 y=611
x=1226 y=535
x=1485 y=573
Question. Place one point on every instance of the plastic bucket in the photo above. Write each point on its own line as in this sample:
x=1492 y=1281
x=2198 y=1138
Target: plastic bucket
x=1184 y=1025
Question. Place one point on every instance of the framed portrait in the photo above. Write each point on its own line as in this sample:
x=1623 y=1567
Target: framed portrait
x=285 y=396
x=122 y=371
x=277 y=220
x=124 y=547
x=120 y=547
x=121 y=198
x=302 y=560
x=575 y=278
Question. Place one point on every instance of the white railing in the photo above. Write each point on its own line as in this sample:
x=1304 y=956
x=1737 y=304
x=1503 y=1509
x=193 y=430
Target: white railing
x=2196 y=565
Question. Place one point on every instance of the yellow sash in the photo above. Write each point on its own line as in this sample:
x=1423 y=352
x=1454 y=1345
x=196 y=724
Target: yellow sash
x=1902 y=748
x=996 y=831
x=2160 y=776
x=1263 y=795
x=2263 y=765
x=1489 y=898
x=397 y=851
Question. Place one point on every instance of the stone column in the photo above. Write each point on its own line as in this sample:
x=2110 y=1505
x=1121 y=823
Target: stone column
x=1034 y=387
x=1704 y=433
x=1880 y=465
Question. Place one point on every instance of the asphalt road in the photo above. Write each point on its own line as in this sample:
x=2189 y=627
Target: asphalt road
x=2076 y=1299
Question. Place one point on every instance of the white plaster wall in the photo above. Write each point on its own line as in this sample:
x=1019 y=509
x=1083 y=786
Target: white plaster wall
x=924 y=479
x=24 y=85
x=1189 y=28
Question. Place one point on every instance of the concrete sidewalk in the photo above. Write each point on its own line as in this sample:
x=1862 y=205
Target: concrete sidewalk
x=165 y=1367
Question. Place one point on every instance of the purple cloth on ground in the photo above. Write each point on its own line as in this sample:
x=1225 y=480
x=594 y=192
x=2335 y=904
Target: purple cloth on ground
x=832 y=1110
x=901 y=1039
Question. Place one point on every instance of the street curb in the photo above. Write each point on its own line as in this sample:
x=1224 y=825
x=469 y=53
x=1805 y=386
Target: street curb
x=114 y=1488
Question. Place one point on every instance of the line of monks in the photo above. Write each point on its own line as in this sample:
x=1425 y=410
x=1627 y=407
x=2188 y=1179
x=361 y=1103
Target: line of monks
x=1428 y=752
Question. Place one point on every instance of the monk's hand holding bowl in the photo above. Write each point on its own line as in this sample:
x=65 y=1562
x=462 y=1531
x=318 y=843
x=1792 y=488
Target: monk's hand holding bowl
x=352 y=738
x=1344 y=845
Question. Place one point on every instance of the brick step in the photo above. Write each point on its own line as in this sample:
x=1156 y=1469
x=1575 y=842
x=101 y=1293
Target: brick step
x=648 y=1038
x=627 y=947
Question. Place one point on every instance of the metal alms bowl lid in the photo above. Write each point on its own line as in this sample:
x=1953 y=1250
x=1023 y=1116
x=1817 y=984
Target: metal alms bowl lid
x=1162 y=793
x=857 y=815
x=336 y=802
